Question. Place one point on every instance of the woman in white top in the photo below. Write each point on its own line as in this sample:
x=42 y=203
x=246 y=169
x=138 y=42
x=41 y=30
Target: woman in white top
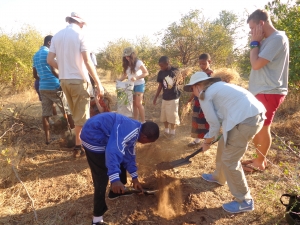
x=135 y=71
x=241 y=116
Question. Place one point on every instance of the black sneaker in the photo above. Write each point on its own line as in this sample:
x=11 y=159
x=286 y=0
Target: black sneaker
x=112 y=195
x=78 y=151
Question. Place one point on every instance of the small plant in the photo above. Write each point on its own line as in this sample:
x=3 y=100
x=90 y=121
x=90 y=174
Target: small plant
x=122 y=96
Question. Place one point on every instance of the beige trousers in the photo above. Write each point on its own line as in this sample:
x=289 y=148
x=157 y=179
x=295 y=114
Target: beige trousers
x=228 y=165
x=78 y=97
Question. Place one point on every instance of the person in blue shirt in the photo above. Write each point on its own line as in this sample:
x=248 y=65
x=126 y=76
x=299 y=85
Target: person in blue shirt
x=109 y=142
x=49 y=87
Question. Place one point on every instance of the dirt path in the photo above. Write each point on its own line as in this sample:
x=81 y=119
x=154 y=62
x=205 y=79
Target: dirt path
x=62 y=189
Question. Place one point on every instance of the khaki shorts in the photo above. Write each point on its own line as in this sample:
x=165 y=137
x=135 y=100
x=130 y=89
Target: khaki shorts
x=78 y=97
x=49 y=97
x=169 y=111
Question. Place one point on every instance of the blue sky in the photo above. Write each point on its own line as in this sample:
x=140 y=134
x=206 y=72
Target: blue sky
x=113 y=19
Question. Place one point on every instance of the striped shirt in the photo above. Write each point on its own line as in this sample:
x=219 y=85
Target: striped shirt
x=47 y=80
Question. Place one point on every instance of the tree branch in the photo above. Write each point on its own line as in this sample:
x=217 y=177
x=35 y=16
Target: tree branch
x=32 y=202
x=288 y=147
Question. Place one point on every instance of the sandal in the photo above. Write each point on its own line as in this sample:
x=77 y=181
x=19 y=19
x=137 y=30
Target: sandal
x=251 y=169
x=249 y=161
x=193 y=144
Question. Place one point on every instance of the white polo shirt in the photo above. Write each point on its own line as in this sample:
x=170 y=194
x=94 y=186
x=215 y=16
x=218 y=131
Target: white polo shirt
x=68 y=44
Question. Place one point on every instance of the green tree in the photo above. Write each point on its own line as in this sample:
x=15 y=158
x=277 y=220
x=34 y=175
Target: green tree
x=16 y=52
x=149 y=53
x=110 y=57
x=185 y=40
x=181 y=40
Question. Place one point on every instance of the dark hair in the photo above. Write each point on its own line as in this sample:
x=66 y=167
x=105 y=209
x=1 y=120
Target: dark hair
x=258 y=15
x=150 y=130
x=207 y=83
x=71 y=20
x=47 y=39
x=204 y=56
x=164 y=59
x=131 y=63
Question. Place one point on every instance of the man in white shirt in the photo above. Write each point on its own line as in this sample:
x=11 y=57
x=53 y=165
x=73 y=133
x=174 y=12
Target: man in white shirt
x=73 y=60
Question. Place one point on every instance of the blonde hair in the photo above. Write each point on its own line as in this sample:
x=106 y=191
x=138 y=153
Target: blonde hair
x=227 y=75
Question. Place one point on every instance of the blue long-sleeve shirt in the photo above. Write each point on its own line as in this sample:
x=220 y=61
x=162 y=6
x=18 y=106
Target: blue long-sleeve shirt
x=116 y=136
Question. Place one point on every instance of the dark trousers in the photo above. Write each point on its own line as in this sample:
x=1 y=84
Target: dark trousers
x=100 y=179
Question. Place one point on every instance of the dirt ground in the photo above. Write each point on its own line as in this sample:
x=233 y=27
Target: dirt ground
x=62 y=191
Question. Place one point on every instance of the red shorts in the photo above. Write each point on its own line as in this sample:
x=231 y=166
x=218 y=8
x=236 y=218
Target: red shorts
x=271 y=103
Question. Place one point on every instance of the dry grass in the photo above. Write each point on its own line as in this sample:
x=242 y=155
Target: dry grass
x=62 y=187
x=227 y=75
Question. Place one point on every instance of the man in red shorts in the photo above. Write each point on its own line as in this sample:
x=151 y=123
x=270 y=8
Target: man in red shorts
x=269 y=57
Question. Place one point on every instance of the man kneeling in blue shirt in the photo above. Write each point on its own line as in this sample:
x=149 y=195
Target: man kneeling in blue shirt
x=109 y=140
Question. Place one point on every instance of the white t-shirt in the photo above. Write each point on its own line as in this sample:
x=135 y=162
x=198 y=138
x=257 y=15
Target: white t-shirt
x=138 y=73
x=68 y=44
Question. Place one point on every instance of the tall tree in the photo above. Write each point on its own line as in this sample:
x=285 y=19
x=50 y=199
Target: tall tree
x=185 y=40
x=16 y=52
x=110 y=57
x=181 y=40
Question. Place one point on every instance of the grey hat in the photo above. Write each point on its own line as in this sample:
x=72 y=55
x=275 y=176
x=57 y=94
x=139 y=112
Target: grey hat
x=128 y=51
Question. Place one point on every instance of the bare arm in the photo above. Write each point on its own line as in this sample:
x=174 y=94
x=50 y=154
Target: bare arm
x=54 y=71
x=191 y=98
x=257 y=62
x=92 y=71
x=34 y=72
x=144 y=73
x=124 y=76
x=157 y=93
x=51 y=60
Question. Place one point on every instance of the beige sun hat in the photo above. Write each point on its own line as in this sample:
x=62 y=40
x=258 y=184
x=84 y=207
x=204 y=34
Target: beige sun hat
x=196 y=78
x=128 y=51
x=75 y=16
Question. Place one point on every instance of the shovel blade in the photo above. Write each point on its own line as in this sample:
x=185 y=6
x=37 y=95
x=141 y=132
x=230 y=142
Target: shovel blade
x=173 y=164
x=69 y=137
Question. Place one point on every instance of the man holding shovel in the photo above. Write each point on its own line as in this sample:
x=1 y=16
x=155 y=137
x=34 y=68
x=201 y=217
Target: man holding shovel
x=49 y=87
x=70 y=48
x=109 y=141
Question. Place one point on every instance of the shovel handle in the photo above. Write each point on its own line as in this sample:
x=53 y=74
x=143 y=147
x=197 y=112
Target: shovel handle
x=200 y=149
x=135 y=191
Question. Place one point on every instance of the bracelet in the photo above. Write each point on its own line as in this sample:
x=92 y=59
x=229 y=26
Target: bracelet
x=254 y=44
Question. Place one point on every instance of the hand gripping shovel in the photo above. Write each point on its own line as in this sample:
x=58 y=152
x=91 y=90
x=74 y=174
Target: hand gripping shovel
x=182 y=161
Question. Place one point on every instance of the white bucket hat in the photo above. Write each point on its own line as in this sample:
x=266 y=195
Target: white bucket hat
x=196 y=78
x=75 y=16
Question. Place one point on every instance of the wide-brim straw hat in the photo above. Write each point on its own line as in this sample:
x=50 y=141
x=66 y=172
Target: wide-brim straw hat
x=196 y=78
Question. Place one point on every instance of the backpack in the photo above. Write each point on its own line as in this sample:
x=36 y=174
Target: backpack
x=292 y=208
